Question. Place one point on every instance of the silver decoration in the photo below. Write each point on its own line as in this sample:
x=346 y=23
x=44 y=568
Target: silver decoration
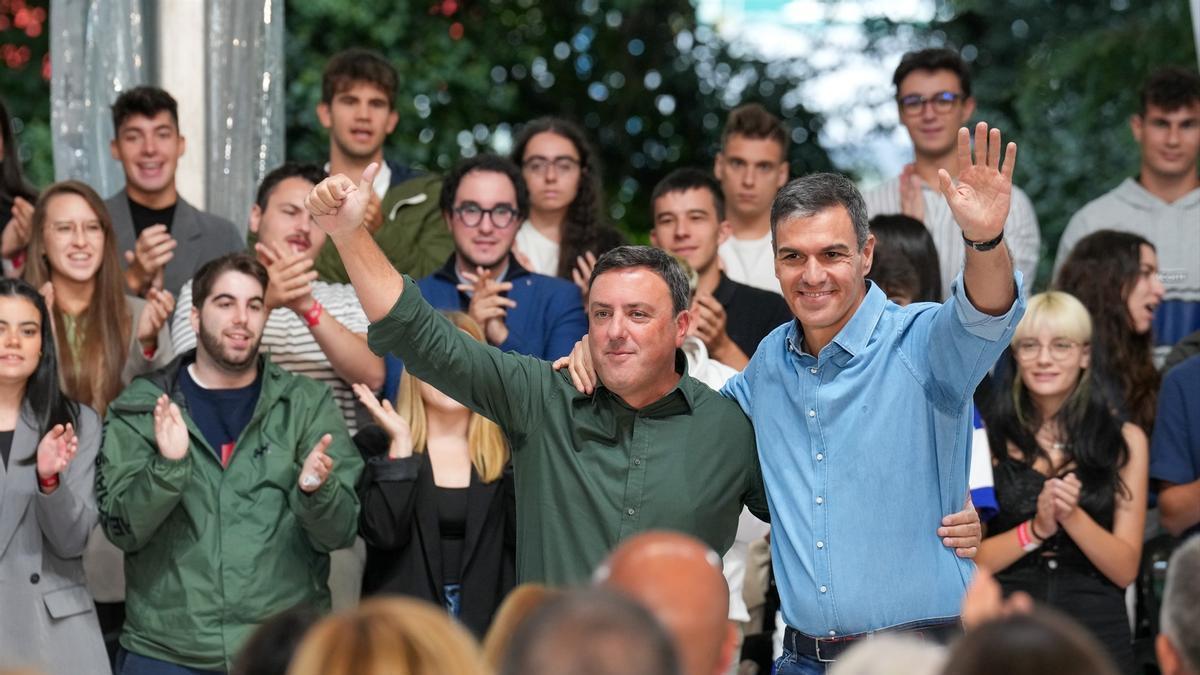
x=245 y=103
x=96 y=52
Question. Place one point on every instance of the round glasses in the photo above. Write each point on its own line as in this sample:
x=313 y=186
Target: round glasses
x=472 y=214
x=1060 y=349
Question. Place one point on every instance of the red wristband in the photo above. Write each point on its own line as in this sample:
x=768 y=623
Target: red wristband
x=18 y=259
x=149 y=353
x=313 y=316
x=47 y=483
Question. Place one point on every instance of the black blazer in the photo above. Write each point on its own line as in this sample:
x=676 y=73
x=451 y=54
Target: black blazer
x=399 y=522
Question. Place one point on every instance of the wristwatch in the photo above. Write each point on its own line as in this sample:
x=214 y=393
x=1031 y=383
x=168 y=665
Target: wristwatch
x=984 y=245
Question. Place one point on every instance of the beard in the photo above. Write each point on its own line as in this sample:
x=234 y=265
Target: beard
x=211 y=343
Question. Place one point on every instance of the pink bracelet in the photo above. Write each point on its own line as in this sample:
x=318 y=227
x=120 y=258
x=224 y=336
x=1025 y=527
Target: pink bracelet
x=1025 y=539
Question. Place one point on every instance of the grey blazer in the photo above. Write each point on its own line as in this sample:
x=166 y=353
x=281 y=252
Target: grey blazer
x=48 y=620
x=201 y=236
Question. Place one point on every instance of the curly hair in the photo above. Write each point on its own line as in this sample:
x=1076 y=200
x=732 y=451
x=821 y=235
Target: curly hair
x=585 y=228
x=1101 y=271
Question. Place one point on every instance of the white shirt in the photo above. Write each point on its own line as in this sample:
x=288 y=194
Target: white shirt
x=289 y=342
x=750 y=262
x=541 y=251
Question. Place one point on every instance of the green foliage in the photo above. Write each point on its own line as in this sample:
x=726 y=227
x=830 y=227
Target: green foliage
x=650 y=86
x=26 y=92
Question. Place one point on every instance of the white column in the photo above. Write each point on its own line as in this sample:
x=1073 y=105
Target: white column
x=181 y=59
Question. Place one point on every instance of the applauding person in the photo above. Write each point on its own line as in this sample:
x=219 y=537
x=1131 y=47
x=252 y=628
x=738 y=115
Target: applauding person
x=437 y=500
x=226 y=512
x=47 y=504
x=1070 y=477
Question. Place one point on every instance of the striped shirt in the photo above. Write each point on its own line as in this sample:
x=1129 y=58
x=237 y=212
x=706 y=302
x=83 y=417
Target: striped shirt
x=288 y=340
x=1021 y=232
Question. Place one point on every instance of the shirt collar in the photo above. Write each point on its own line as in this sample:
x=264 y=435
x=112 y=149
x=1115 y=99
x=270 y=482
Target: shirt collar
x=854 y=336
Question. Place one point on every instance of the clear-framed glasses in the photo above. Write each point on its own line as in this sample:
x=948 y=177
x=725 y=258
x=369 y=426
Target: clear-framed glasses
x=472 y=214
x=942 y=102
x=1060 y=349
x=539 y=165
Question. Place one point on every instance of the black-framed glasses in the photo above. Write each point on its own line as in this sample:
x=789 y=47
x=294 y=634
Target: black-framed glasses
x=539 y=165
x=1059 y=348
x=472 y=214
x=942 y=102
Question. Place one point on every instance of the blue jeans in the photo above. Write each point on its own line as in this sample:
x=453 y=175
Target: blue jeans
x=798 y=664
x=453 y=593
x=129 y=663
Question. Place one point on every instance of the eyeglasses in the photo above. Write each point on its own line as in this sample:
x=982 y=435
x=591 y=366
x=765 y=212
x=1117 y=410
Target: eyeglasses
x=472 y=214
x=1060 y=349
x=539 y=165
x=942 y=102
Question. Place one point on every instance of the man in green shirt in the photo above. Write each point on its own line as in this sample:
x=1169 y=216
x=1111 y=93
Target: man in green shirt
x=651 y=448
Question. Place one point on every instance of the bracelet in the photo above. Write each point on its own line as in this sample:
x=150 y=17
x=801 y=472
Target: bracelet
x=48 y=483
x=984 y=245
x=149 y=353
x=313 y=316
x=1025 y=539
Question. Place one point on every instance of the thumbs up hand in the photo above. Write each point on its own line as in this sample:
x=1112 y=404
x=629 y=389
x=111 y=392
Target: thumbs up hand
x=316 y=466
x=338 y=204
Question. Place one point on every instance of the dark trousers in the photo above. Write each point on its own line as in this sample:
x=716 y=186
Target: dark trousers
x=129 y=663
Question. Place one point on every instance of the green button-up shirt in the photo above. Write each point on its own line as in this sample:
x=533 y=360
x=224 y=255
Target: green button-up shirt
x=590 y=470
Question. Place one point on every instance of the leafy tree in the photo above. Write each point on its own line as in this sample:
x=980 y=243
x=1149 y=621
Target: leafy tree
x=25 y=83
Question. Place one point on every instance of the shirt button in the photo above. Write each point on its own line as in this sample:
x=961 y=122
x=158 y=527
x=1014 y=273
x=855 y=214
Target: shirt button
x=820 y=456
x=1052 y=564
x=820 y=544
x=832 y=633
x=34 y=578
x=812 y=413
x=630 y=511
x=637 y=461
x=813 y=371
x=820 y=500
x=823 y=589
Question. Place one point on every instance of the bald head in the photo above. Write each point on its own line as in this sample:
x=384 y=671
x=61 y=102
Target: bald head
x=679 y=580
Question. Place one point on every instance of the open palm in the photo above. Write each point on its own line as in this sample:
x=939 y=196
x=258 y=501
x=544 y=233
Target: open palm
x=980 y=200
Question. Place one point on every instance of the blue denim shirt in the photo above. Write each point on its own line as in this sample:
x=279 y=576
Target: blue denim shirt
x=864 y=448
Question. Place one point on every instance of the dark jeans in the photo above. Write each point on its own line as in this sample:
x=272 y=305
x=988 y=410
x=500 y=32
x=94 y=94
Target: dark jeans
x=798 y=664
x=129 y=663
x=940 y=631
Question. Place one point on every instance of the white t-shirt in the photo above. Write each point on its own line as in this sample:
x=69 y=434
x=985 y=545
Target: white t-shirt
x=750 y=262
x=540 y=250
x=288 y=340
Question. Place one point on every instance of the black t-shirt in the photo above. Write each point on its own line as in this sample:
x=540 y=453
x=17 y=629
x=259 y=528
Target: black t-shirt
x=144 y=216
x=221 y=414
x=6 y=439
x=750 y=313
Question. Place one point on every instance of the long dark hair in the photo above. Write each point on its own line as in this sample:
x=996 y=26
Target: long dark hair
x=12 y=181
x=585 y=228
x=908 y=237
x=1091 y=432
x=1101 y=271
x=47 y=404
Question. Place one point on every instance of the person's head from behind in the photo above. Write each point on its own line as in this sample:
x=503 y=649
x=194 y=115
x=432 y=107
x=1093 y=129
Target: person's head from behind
x=147 y=141
x=1178 y=643
x=891 y=655
x=895 y=275
x=591 y=632
x=1115 y=274
x=933 y=96
x=1043 y=642
x=358 y=90
x=679 y=580
x=689 y=217
x=1167 y=124
x=271 y=646
x=278 y=216
x=823 y=251
x=909 y=237
x=753 y=162
x=417 y=399
x=388 y=636
x=483 y=200
x=514 y=612
x=637 y=318
x=228 y=312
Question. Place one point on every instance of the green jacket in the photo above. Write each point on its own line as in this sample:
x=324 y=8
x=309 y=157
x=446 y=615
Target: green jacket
x=414 y=236
x=209 y=552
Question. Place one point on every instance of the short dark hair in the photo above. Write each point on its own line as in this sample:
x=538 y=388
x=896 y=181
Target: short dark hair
x=269 y=649
x=309 y=172
x=911 y=239
x=811 y=194
x=656 y=260
x=688 y=178
x=1169 y=88
x=753 y=121
x=212 y=270
x=1044 y=642
x=593 y=631
x=938 y=58
x=486 y=163
x=146 y=101
x=358 y=65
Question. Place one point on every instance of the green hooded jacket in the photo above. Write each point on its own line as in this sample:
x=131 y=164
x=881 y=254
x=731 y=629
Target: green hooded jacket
x=210 y=553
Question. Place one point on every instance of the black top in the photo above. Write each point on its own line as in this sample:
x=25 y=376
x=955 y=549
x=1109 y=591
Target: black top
x=6 y=439
x=750 y=313
x=452 y=523
x=221 y=414
x=1017 y=489
x=144 y=216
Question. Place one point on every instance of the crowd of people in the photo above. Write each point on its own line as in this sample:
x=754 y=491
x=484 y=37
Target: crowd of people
x=414 y=423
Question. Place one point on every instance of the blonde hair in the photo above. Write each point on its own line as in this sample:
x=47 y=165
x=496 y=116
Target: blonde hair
x=489 y=451
x=520 y=604
x=388 y=636
x=1056 y=311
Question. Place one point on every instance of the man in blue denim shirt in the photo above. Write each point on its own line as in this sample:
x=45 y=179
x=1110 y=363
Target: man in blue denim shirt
x=861 y=410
